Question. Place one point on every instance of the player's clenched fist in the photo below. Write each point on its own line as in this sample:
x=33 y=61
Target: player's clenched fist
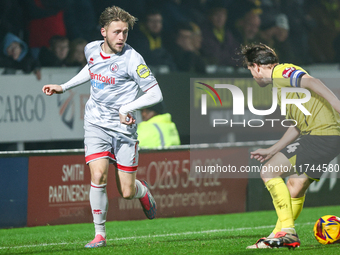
x=51 y=89
x=127 y=119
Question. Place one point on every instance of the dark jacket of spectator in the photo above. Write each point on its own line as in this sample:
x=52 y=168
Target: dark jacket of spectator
x=148 y=41
x=185 y=50
x=219 y=45
x=216 y=52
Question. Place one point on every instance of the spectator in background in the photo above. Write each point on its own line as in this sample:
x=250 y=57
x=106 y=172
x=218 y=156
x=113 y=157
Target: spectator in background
x=196 y=37
x=218 y=45
x=157 y=129
x=148 y=41
x=186 y=48
x=55 y=55
x=76 y=55
x=15 y=55
x=274 y=33
x=247 y=27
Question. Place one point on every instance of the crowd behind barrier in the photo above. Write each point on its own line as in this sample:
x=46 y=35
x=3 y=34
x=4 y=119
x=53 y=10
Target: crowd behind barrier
x=180 y=35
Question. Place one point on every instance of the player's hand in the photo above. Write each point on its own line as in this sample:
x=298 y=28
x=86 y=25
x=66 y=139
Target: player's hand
x=52 y=89
x=126 y=119
x=261 y=154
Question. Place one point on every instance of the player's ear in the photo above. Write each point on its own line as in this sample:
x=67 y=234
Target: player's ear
x=256 y=67
x=103 y=32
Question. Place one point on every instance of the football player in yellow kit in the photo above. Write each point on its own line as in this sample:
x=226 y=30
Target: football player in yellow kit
x=306 y=158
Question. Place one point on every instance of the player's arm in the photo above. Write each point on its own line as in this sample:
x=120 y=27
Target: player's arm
x=289 y=136
x=321 y=89
x=152 y=96
x=82 y=77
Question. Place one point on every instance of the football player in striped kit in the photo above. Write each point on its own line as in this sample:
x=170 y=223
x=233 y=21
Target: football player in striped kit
x=118 y=74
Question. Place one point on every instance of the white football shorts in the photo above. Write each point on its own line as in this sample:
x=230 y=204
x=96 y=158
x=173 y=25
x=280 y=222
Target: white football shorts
x=121 y=149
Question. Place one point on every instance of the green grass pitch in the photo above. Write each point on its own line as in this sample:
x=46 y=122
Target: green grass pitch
x=213 y=234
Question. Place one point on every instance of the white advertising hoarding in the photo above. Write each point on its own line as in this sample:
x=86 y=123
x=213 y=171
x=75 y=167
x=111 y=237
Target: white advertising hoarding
x=27 y=114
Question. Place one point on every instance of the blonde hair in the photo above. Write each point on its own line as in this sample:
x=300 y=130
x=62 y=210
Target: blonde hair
x=115 y=13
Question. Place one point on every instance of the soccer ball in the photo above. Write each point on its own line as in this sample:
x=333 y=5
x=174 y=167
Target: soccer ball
x=327 y=229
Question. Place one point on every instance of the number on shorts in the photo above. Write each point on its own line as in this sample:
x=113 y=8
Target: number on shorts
x=292 y=147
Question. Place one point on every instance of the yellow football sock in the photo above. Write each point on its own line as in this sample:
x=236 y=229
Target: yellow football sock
x=297 y=205
x=282 y=201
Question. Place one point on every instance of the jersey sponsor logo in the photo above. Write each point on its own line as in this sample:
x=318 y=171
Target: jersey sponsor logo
x=114 y=67
x=91 y=61
x=102 y=78
x=288 y=72
x=143 y=71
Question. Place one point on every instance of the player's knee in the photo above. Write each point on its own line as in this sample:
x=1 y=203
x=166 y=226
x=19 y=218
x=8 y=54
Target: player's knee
x=265 y=176
x=98 y=177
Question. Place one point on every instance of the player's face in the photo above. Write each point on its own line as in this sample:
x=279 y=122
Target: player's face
x=115 y=35
x=155 y=23
x=257 y=73
x=61 y=49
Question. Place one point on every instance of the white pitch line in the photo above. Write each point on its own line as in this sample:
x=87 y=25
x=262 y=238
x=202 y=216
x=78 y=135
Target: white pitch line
x=156 y=236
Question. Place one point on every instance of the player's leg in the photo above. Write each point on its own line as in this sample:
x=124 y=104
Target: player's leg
x=98 y=200
x=129 y=188
x=98 y=156
x=271 y=173
x=309 y=154
x=98 y=196
x=126 y=151
x=126 y=184
x=297 y=187
x=271 y=176
x=276 y=167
